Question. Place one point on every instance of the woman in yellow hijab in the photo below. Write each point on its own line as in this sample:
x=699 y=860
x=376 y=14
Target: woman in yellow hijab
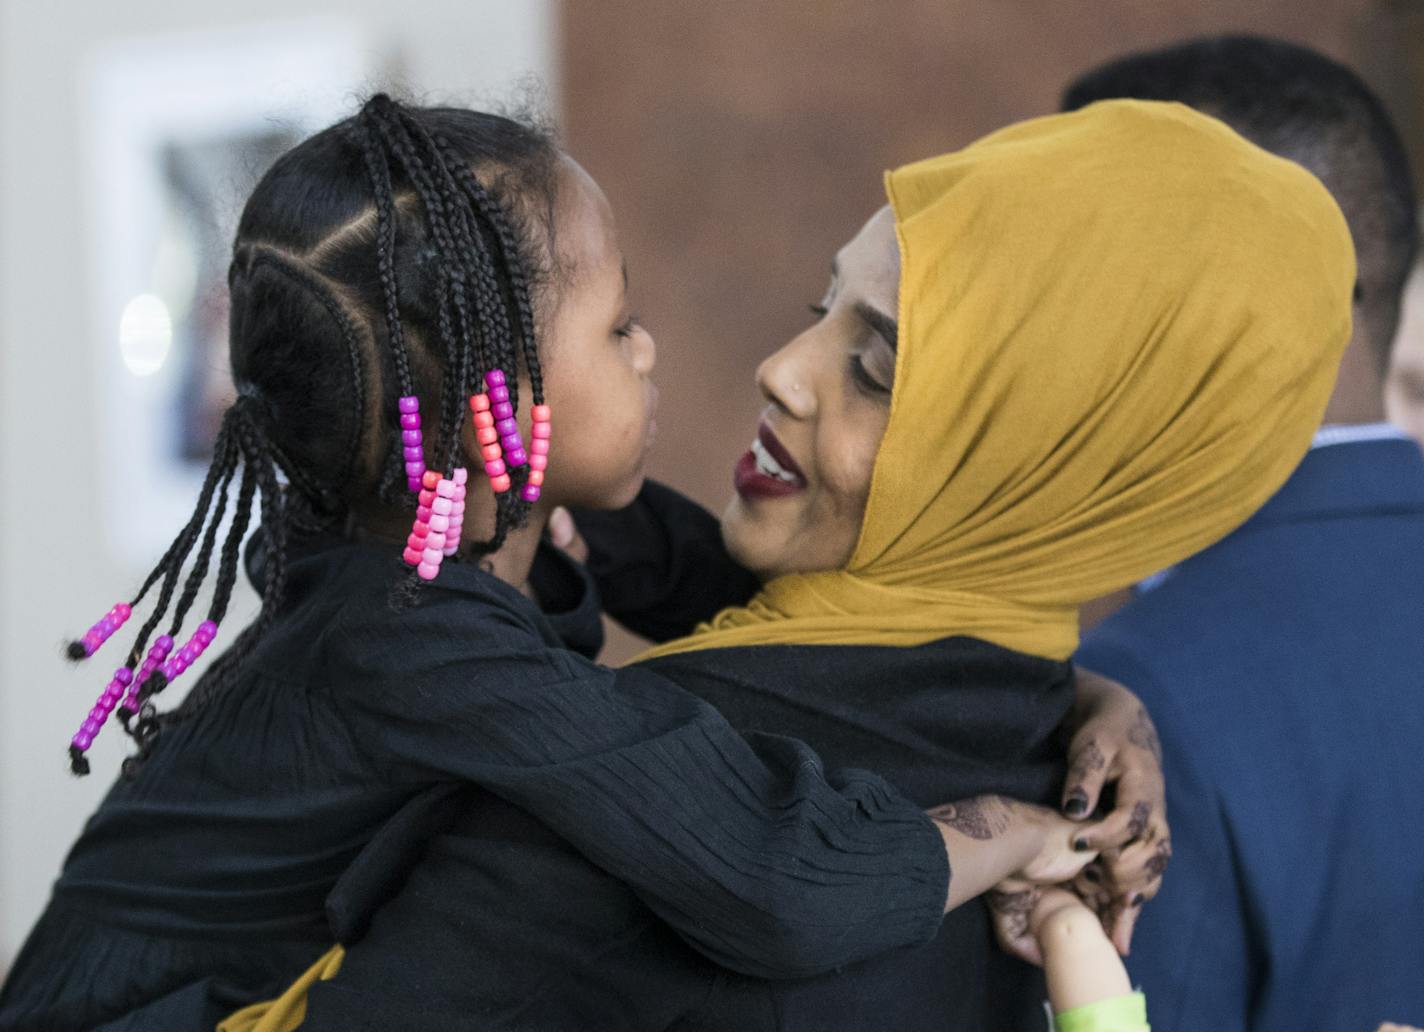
x=1062 y=358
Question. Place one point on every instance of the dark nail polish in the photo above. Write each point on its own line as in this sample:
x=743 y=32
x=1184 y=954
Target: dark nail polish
x=1077 y=805
x=1081 y=844
x=1091 y=873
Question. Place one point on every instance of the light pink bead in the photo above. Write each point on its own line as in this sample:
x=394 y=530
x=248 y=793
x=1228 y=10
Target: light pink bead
x=439 y=524
x=539 y=446
x=461 y=476
x=457 y=509
x=412 y=557
x=435 y=541
x=445 y=489
x=538 y=462
x=428 y=570
x=441 y=507
x=542 y=431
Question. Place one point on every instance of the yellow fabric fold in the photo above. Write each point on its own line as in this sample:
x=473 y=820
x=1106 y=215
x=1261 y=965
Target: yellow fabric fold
x=1118 y=331
x=288 y=1011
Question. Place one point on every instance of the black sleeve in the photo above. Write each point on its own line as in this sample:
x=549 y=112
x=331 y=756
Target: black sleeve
x=660 y=564
x=744 y=845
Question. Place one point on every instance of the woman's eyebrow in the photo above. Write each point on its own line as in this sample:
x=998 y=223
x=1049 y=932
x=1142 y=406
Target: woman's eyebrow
x=879 y=322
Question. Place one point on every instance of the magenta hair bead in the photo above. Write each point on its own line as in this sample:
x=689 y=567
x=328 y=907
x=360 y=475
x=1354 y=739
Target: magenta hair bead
x=530 y=493
x=541 y=431
x=208 y=629
x=502 y=410
x=413 y=556
x=123 y=675
x=518 y=457
x=538 y=462
x=410 y=422
x=409 y=403
x=440 y=507
x=423 y=513
x=498 y=396
x=165 y=642
x=506 y=427
x=439 y=524
x=445 y=489
x=428 y=570
x=413 y=469
x=495 y=468
x=495 y=377
x=82 y=742
x=123 y=610
x=411 y=437
x=413 y=453
x=427 y=495
x=412 y=484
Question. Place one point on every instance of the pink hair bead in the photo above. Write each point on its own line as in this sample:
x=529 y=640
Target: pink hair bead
x=479 y=403
x=413 y=556
x=440 y=507
x=542 y=430
x=423 y=513
x=500 y=483
x=104 y=629
x=461 y=476
x=426 y=496
x=491 y=452
x=494 y=469
x=427 y=570
x=538 y=462
x=536 y=477
x=410 y=421
x=539 y=413
x=485 y=421
x=445 y=489
x=408 y=404
x=539 y=446
x=439 y=524
x=487 y=435
x=530 y=493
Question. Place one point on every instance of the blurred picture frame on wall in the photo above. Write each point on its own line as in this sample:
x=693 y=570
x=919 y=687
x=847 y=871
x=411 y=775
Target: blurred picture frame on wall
x=176 y=129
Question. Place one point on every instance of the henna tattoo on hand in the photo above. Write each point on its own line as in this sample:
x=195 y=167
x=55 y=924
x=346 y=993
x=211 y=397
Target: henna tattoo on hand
x=1137 y=824
x=973 y=818
x=1143 y=734
x=1157 y=862
x=1014 y=909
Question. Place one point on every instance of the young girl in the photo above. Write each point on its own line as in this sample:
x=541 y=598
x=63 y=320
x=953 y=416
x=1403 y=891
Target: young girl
x=406 y=287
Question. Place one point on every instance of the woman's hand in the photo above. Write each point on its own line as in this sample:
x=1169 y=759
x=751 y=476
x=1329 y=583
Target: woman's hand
x=1115 y=744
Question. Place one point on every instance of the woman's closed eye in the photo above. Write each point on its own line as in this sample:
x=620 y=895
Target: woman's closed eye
x=865 y=379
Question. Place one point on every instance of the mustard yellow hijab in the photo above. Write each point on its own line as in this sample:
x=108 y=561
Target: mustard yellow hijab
x=1118 y=331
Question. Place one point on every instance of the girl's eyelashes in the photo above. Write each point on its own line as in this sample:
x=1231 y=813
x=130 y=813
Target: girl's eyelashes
x=626 y=328
x=864 y=382
x=818 y=310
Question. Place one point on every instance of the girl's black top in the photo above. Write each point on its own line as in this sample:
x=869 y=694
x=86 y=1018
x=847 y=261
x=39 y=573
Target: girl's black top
x=202 y=884
x=474 y=914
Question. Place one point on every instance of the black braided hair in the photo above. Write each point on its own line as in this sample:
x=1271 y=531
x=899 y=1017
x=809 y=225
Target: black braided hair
x=400 y=252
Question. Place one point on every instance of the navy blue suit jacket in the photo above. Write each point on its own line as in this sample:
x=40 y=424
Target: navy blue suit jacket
x=1284 y=667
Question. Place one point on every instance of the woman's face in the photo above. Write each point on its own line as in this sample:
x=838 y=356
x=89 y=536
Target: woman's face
x=1404 y=395
x=596 y=375
x=802 y=488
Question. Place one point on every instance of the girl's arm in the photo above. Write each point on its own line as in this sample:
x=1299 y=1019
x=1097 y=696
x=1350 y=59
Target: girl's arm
x=1088 y=986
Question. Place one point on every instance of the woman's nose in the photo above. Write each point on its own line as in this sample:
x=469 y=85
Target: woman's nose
x=784 y=380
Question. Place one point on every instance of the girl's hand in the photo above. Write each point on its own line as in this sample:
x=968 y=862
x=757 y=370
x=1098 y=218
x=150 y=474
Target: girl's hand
x=1115 y=744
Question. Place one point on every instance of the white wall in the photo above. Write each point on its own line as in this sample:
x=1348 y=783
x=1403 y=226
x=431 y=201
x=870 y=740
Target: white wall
x=56 y=572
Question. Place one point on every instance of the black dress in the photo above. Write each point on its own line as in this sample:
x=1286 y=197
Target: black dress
x=501 y=924
x=203 y=884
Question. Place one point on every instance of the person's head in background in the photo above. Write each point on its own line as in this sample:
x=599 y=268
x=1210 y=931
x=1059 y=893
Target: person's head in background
x=1303 y=106
x=1404 y=393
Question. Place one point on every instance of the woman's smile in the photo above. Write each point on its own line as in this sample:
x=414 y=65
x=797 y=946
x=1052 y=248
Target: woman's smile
x=767 y=470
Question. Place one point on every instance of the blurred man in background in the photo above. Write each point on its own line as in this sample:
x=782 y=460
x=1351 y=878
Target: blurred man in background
x=1284 y=666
